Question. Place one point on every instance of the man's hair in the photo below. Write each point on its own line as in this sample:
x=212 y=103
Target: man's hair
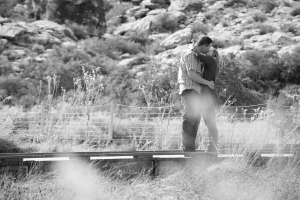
x=204 y=41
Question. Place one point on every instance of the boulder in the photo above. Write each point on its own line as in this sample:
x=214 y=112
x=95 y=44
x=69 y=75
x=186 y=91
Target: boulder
x=186 y=5
x=288 y=49
x=69 y=45
x=10 y=31
x=4 y=20
x=44 y=38
x=15 y=54
x=136 y=2
x=3 y=41
x=178 y=38
x=129 y=62
x=144 y=25
x=280 y=38
x=148 y=4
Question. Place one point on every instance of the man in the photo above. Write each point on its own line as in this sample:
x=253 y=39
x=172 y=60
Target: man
x=195 y=92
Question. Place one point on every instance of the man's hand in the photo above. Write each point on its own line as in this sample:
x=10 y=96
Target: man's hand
x=211 y=84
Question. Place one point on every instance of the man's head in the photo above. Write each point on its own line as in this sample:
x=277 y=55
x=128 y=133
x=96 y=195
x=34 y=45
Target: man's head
x=204 y=44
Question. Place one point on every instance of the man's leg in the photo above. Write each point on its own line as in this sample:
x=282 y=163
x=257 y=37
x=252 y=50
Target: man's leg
x=209 y=115
x=191 y=119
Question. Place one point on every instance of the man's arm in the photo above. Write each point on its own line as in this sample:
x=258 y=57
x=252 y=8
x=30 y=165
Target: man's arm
x=197 y=78
x=191 y=65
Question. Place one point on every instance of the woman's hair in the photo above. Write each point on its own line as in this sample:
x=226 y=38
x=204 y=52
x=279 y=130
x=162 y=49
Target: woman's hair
x=204 y=41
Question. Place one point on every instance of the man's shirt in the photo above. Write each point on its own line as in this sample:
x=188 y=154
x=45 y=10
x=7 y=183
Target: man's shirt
x=188 y=61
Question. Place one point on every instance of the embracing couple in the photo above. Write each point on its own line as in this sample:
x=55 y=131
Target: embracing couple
x=196 y=77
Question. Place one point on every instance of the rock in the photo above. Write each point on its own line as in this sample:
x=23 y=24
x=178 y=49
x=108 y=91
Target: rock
x=20 y=8
x=39 y=59
x=129 y=62
x=219 y=5
x=178 y=38
x=15 y=54
x=136 y=2
x=236 y=49
x=157 y=11
x=10 y=31
x=144 y=25
x=149 y=5
x=69 y=45
x=280 y=38
x=58 y=30
x=4 y=20
x=158 y=36
x=249 y=33
x=296 y=39
x=44 y=38
x=3 y=41
x=186 y=5
x=171 y=56
x=288 y=49
x=137 y=12
x=261 y=38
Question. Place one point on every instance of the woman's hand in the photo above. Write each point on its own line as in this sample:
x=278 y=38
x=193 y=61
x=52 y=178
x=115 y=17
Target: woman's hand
x=211 y=84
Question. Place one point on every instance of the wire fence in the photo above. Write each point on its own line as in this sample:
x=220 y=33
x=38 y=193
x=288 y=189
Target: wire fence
x=152 y=125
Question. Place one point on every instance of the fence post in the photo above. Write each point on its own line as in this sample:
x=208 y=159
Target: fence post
x=111 y=121
x=42 y=121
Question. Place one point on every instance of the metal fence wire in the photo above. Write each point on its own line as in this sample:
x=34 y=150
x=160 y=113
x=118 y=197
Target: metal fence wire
x=159 y=125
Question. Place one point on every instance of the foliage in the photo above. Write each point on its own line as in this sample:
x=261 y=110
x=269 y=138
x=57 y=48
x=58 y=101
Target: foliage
x=289 y=27
x=264 y=29
x=6 y=7
x=198 y=27
x=295 y=12
x=38 y=48
x=259 y=17
x=119 y=8
x=229 y=83
x=269 y=5
x=236 y=3
x=167 y=23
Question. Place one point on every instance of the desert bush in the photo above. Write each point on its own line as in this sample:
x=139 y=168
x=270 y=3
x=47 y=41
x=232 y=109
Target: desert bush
x=125 y=46
x=229 y=80
x=259 y=17
x=119 y=8
x=291 y=69
x=198 y=27
x=264 y=29
x=295 y=12
x=154 y=48
x=236 y=3
x=217 y=43
x=292 y=28
x=38 y=48
x=167 y=23
x=6 y=7
x=269 y=5
x=141 y=37
x=79 y=30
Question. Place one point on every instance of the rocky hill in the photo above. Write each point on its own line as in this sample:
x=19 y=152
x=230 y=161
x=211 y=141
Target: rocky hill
x=166 y=27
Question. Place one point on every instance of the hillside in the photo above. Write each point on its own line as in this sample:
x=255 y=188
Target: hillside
x=135 y=59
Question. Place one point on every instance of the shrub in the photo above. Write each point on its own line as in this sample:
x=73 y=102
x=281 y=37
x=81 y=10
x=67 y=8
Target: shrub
x=38 y=48
x=269 y=5
x=125 y=46
x=259 y=17
x=119 y=8
x=264 y=29
x=295 y=12
x=236 y=3
x=217 y=43
x=6 y=7
x=167 y=22
x=8 y=146
x=79 y=30
x=154 y=48
x=198 y=27
x=141 y=37
x=290 y=28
